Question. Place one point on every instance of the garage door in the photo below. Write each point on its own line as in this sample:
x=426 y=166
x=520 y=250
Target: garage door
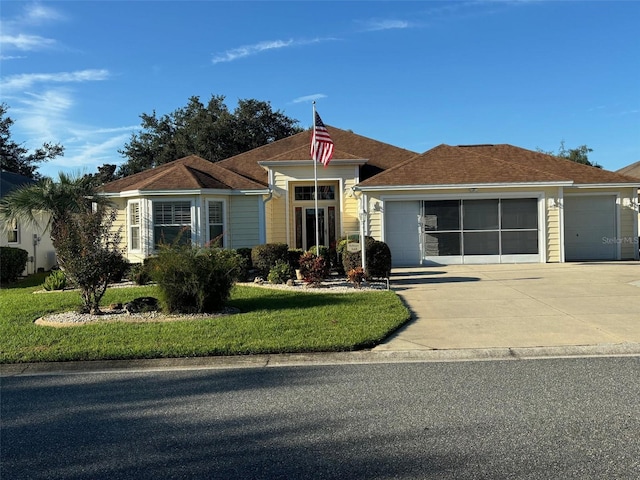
x=402 y=232
x=589 y=221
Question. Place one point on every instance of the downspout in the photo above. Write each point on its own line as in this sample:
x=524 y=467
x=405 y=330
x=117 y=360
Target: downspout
x=263 y=233
x=362 y=218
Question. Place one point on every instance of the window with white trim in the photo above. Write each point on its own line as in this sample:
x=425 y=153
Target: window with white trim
x=134 y=226
x=216 y=223
x=171 y=223
x=13 y=234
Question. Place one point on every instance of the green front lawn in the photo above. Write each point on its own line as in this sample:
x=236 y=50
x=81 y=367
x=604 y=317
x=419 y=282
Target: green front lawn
x=272 y=321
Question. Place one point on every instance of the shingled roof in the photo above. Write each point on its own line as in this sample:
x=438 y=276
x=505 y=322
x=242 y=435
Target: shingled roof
x=632 y=170
x=490 y=164
x=348 y=145
x=186 y=173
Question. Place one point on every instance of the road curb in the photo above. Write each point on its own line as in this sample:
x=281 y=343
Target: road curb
x=329 y=358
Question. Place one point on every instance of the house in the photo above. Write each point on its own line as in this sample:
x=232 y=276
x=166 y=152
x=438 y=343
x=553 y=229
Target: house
x=451 y=204
x=42 y=255
x=632 y=170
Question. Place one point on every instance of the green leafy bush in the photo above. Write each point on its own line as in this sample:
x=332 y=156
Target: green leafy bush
x=245 y=264
x=13 y=261
x=56 y=280
x=378 y=260
x=139 y=274
x=264 y=257
x=193 y=280
x=280 y=272
x=313 y=269
x=294 y=257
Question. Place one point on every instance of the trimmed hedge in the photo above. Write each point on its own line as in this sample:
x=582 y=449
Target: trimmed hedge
x=264 y=257
x=378 y=257
x=13 y=261
x=194 y=280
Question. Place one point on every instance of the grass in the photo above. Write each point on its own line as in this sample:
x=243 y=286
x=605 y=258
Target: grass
x=271 y=321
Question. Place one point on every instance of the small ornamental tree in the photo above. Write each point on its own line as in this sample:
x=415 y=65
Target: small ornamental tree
x=88 y=252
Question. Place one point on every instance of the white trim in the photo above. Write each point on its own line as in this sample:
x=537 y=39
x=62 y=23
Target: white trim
x=226 y=243
x=305 y=163
x=561 y=222
x=130 y=225
x=201 y=192
x=466 y=186
x=193 y=212
x=262 y=220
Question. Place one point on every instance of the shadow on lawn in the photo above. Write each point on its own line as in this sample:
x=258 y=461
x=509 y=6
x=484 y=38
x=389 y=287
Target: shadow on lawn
x=275 y=300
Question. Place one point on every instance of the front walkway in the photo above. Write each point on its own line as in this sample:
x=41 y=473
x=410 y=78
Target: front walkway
x=526 y=305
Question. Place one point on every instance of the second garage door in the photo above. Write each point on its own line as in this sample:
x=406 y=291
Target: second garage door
x=590 y=227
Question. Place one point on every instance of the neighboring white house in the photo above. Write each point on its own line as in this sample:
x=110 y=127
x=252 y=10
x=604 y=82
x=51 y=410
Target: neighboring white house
x=31 y=238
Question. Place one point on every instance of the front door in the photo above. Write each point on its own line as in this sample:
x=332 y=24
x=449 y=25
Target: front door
x=306 y=226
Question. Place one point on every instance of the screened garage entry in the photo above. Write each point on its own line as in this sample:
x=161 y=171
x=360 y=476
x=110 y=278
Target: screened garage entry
x=463 y=231
x=402 y=232
x=590 y=227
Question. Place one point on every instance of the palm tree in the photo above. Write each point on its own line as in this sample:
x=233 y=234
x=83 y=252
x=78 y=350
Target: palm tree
x=61 y=199
x=80 y=228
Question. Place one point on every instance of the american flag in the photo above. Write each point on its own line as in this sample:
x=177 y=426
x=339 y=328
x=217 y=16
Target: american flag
x=321 y=143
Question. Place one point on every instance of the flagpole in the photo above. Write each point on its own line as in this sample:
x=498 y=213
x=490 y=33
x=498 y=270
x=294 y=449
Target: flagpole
x=315 y=182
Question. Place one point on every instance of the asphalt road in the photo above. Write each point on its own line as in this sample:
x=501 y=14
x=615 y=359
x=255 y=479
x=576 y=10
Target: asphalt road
x=554 y=418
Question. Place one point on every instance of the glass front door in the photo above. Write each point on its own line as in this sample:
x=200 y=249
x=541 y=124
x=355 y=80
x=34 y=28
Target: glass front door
x=305 y=226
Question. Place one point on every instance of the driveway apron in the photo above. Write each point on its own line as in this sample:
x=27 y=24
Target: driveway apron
x=523 y=305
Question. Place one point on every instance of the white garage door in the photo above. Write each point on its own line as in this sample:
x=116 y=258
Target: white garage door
x=590 y=227
x=402 y=232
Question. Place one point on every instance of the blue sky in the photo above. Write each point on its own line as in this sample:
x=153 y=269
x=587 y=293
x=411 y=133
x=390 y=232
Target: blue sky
x=414 y=74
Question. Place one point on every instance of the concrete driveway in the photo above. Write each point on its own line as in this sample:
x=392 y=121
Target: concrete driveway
x=526 y=305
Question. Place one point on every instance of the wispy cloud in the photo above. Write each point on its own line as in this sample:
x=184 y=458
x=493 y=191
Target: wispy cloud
x=309 y=98
x=27 y=80
x=249 y=50
x=16 y=33
x=25 y=42
x=389 y=24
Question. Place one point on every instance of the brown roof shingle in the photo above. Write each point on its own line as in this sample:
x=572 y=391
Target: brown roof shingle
x=489 y=164
x=348 y=145
x=632 y=170
x=190 y=172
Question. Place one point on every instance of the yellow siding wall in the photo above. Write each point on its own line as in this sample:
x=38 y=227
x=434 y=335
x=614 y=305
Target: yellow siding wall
x=279 y=213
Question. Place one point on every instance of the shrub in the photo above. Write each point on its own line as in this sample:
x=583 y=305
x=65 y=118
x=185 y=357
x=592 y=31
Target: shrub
x=356 y=276
x=378 y=260
x=56 y=280
x=280 y=272
x=323 y=252
x=264 y=257
x=313 y=269
x=13 y=262
x=246 y=266
x=294 y=257
x=193 y=280
x=120 y=271
x=139 y=274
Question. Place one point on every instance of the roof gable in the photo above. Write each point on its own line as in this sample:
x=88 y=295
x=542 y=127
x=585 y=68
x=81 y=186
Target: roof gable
x=489 y=164
x=632 y=170
x=348 y=145
x=188 y=173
